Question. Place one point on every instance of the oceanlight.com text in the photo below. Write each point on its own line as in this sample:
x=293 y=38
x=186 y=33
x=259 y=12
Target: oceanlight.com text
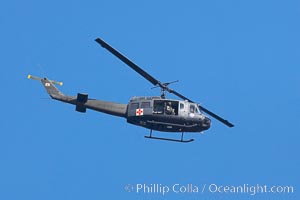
x=213 y=188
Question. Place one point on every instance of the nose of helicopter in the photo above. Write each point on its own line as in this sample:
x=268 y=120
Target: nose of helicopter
x=206 y=122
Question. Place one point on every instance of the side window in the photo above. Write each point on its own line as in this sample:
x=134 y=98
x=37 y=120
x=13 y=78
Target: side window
x=181 y=106
x=134 y=106
x=158 y=107
x=192 y=108
x=145 y=105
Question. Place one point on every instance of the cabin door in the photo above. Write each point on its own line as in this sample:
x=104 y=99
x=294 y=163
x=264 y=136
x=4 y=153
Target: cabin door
x=183 y=109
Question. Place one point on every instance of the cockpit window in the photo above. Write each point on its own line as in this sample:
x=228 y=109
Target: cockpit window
x=192 y=109
x=197 y=110
x=181 y=106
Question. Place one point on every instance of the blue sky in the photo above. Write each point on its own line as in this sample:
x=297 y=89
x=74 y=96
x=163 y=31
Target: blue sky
x=239 y=59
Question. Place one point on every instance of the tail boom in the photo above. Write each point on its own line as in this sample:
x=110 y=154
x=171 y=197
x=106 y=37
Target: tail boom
x=81 y=101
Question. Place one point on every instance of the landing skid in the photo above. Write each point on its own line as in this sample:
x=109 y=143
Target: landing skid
x=169 y=139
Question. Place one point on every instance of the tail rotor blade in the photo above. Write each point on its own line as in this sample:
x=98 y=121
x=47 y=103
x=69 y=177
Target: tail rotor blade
x=39 y=79
x=33 y=77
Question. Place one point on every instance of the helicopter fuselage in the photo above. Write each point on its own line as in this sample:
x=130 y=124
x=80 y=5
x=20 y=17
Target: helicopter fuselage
x=166 y=115
x=154 y=113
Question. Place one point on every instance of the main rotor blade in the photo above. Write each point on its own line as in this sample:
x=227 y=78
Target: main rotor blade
x=224 y=121
x=179 y=95
x=128 y=62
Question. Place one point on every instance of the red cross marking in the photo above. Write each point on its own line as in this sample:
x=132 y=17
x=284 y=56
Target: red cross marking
x=139 y=112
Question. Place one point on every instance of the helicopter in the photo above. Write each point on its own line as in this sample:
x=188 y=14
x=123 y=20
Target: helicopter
x=152 y=112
